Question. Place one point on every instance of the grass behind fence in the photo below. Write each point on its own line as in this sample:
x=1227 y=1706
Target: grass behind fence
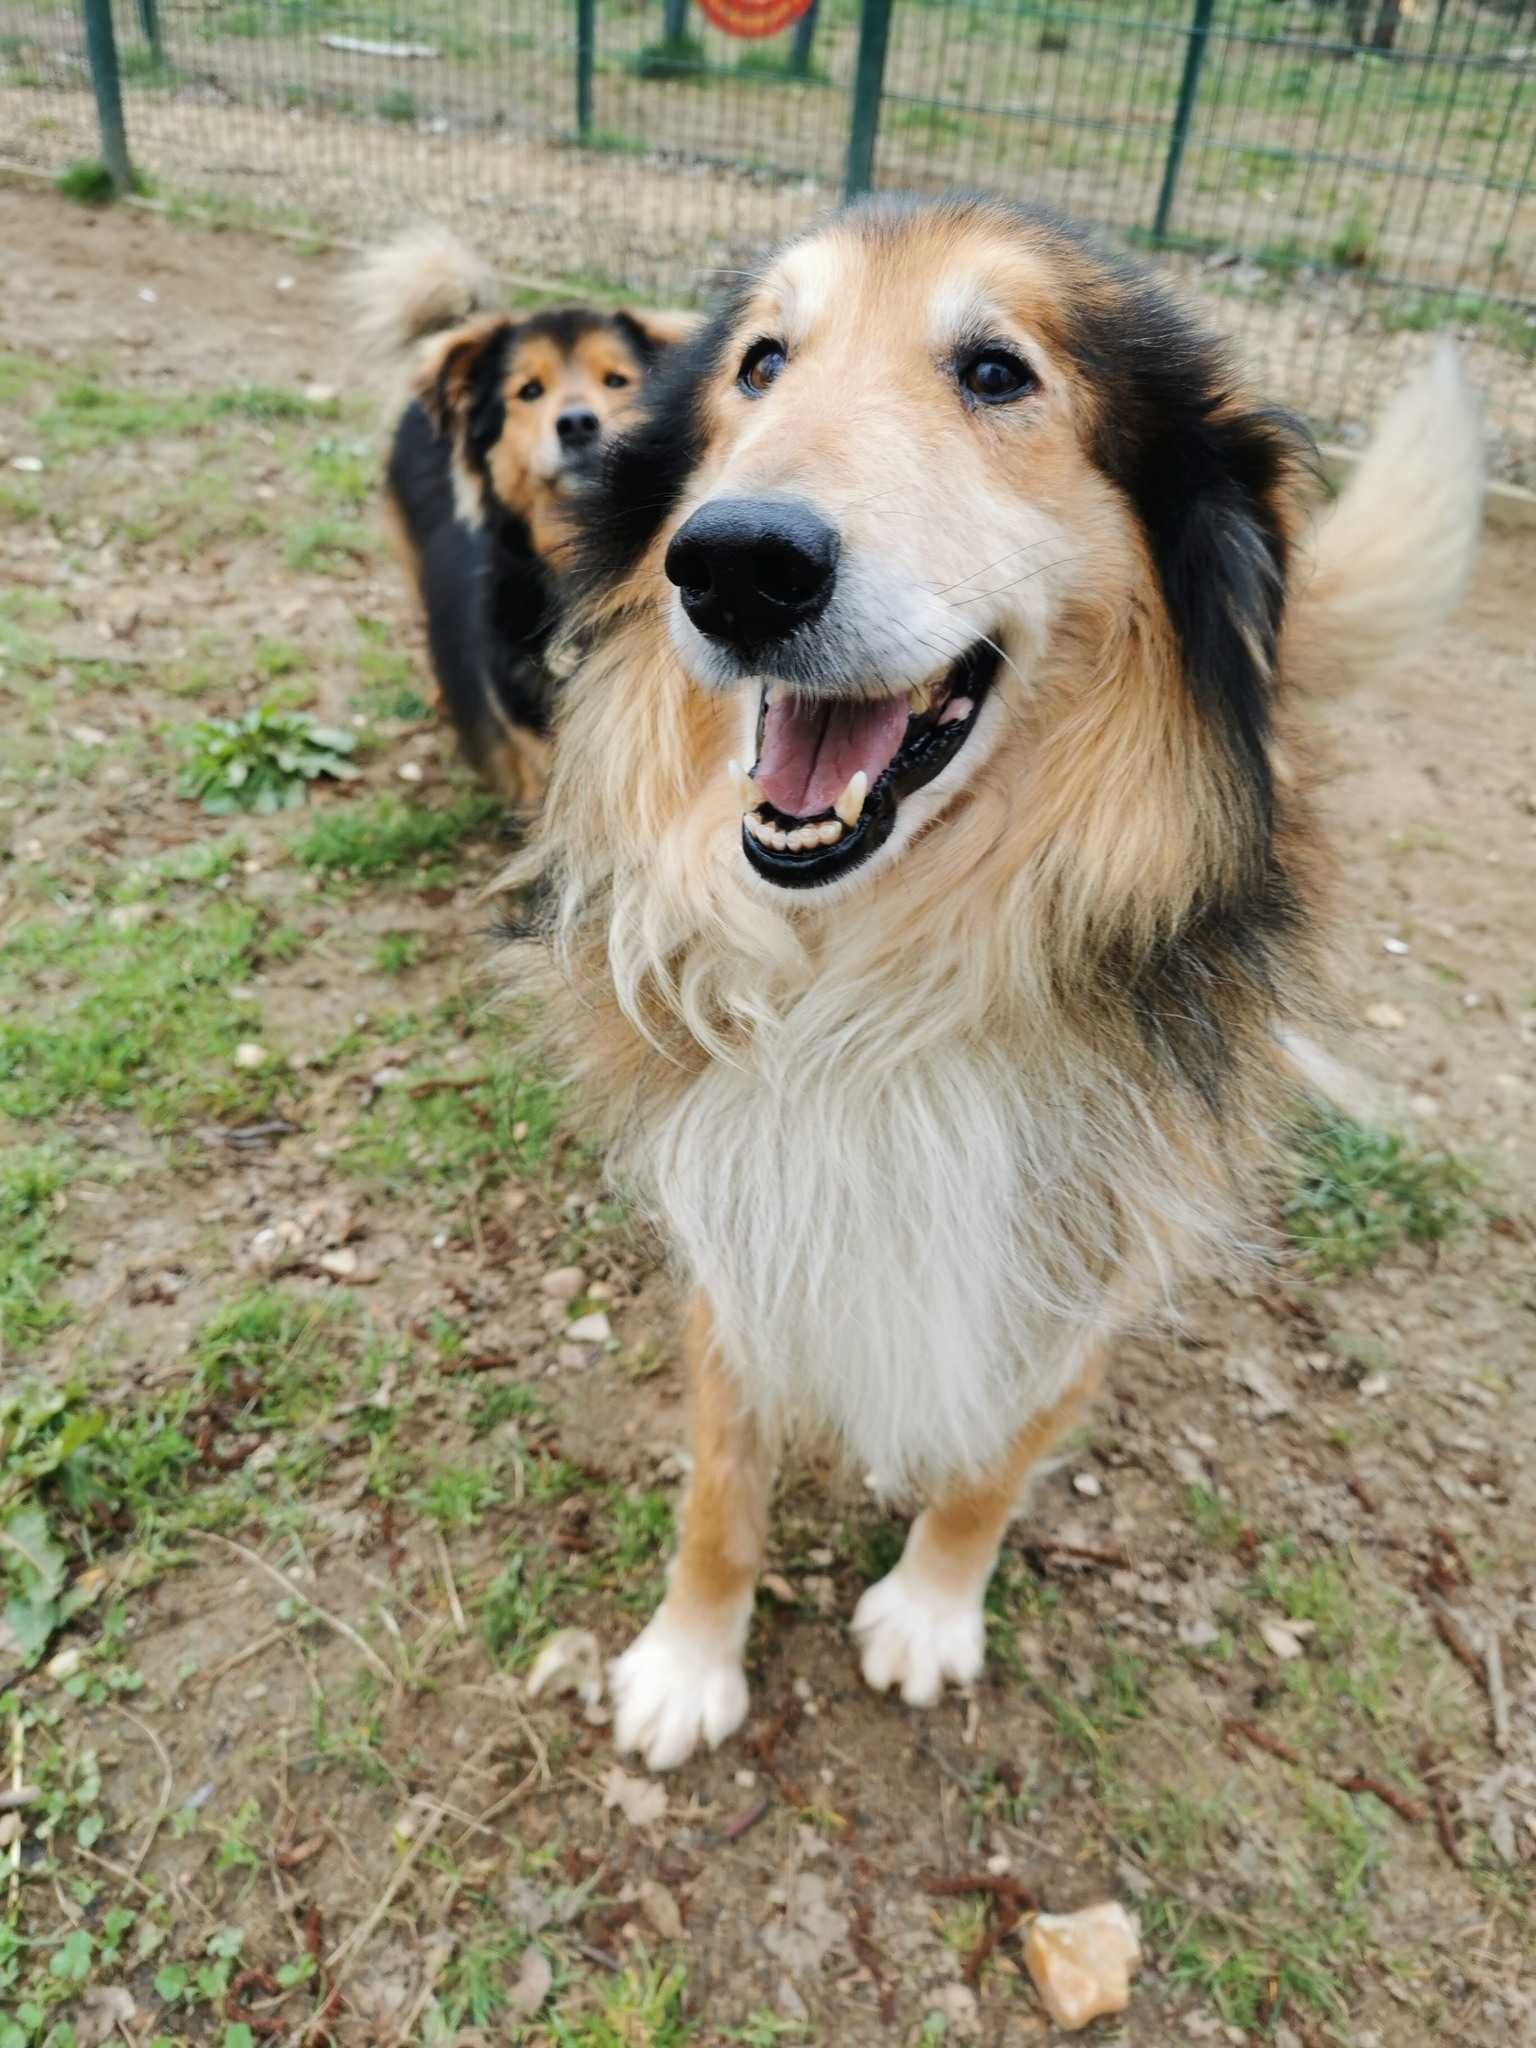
x=1331 y=173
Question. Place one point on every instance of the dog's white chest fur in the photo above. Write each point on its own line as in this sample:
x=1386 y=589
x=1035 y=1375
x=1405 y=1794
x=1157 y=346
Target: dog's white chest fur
x=895 y=1249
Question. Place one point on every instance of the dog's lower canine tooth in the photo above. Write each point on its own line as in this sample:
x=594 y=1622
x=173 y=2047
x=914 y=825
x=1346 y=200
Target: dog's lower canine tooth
x=850 y=805
x=747 y=791
x=920 y=699
x=956 y=709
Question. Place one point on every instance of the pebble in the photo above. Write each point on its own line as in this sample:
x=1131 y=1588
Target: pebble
x=409 y=771
x=593 y=1329
x=29 y=465
x=1085 y=1483
x=1081 y=1963
x=250 y=1055
x=1385 y=1016
x=563 y=1283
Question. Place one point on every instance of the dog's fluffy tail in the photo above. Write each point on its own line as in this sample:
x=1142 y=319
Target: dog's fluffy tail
x=1393 y=554
x=417 y=285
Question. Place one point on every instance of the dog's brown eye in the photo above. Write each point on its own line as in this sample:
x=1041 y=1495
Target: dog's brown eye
x=995 y=375
x=531 y=390
x=614 y=381
x=759 y=366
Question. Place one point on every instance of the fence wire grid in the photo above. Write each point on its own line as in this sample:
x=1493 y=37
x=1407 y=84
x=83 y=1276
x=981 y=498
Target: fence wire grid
x=1334 y=179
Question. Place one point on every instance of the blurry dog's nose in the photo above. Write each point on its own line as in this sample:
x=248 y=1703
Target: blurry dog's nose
x=577 y=427
x=750 y=570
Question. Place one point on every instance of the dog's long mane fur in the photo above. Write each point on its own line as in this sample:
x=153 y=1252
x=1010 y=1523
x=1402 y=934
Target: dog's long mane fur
x=926 y=1151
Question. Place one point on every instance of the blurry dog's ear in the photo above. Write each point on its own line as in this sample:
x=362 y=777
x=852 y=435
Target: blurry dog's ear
x=649 y=332
x=461 y=372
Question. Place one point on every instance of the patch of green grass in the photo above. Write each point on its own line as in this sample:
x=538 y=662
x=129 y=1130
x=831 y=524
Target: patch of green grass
x=677 y=59
x=347 y=474
x=276 y=658
x=933 y=123
x=397 y=104
x=32 y=1178
x=405 y=1142
x=134 y=1019
x=1215 y=1521
x=87 y=182
x=328 y=544
x=644 y=2004
x=365 y=842
x=277 y=1351
x=263 y=761
x=396 y=952
x=521 y=1607
x=1363 y=1193
x=1354 y=246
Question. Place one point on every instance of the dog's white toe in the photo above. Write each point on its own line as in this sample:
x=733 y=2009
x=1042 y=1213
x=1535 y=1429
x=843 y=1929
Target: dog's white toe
x=672 y=1687
x=915 y=1636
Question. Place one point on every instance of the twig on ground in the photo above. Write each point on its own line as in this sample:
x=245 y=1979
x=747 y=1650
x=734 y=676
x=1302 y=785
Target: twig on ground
x=939 y=1886
x=265 y=1642
x=18 y=1742
x=1449 y=1631
x=440 y=1082
x=342 y=1628
x=733 y=1830
x=1250 y=1731
x=1404 y=1807
x=168 y=1779
x=1498 y=1698
x=1082 y=1553
x=455 y=1607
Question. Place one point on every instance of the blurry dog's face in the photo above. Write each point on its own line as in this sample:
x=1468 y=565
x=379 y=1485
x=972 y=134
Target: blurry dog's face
x=530 y=404
x=927 y=444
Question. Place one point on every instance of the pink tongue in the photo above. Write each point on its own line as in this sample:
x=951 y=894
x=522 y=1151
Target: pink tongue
x=810 y=750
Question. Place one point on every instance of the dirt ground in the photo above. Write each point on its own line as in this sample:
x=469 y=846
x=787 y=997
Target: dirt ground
x=344 y=1460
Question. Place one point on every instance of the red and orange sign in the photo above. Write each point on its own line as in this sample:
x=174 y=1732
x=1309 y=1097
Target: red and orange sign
x=752 y=18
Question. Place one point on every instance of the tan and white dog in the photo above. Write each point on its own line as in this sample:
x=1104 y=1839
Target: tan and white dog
x=932 y=863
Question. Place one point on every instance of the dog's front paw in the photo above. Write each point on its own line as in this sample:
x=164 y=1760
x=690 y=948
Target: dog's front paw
x=672 y=1686
x=915 y=1636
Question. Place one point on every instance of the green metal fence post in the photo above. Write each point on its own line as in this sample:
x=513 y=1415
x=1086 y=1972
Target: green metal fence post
x=868 y=83
x=804 y=39
x=674 y=22
x=101 y=48
x=149 y=22
x=1189 y=85
x=586 y=59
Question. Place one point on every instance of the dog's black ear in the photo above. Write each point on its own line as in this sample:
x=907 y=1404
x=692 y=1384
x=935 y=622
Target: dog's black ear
x=461 y=374
x=1211 y=481
x=650 y=333
x=1213 y=493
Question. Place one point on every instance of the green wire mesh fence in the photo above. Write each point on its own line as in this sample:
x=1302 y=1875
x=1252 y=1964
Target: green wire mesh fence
x=1335 y=179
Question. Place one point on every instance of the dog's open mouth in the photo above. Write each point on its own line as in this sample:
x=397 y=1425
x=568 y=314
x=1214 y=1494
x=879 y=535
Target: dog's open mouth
x=831 y=775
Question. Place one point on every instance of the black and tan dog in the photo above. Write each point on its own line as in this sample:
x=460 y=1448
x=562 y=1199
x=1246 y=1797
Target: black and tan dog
x=506 y=421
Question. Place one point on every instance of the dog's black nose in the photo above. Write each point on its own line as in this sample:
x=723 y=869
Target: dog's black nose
x=577 y=427
x=752 y=569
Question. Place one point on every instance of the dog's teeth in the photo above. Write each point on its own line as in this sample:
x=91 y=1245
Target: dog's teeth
x=754 y=824
x=956 y=709
x=920 y=700
x=748 y=794
x=830 y=833
x=850 y=805
x=774 y=692
x=773 y=837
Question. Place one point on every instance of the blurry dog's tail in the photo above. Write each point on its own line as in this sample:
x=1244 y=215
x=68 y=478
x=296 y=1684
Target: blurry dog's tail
x=416 y=285
x=1393 y=554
